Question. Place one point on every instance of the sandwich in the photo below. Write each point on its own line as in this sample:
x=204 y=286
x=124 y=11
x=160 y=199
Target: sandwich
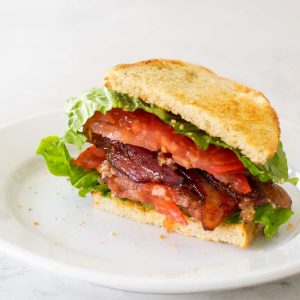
x=172 y=144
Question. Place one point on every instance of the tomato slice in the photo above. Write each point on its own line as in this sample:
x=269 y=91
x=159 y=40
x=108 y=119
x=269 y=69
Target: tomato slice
x=163 y=197
x=146 y=130
x=238 y=181
x=170 y=210
x=89 y=159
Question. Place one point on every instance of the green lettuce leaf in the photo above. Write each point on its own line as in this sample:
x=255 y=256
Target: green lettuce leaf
x=80 y=109
x=271 y=218
x=58 y=161
x=275 y=169
x=234 y=218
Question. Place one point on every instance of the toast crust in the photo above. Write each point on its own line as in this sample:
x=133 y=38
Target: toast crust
x=239 y=235
x=240 y=116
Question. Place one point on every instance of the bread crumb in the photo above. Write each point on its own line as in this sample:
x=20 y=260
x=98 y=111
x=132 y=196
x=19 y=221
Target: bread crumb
x=290 y=226
x=82 y=222
x=96 y=203
x=113 y=233
x=36 y=223
x=19 y=205
x=161 y=236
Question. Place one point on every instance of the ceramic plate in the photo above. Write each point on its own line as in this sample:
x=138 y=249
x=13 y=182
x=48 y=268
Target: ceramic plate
x=45 y=223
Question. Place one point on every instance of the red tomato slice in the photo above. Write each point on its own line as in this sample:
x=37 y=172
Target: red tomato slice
x=146 y=130
x=170 y=210
x=238 y=181
x=161 y=196
x=89 y=159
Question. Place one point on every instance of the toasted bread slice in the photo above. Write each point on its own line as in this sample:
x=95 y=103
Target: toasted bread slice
x=239 y=235
x=240 y=116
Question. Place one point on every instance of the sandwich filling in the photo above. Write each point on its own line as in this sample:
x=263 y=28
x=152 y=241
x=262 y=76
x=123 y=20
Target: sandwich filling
x=144 y=160
x=145 y=154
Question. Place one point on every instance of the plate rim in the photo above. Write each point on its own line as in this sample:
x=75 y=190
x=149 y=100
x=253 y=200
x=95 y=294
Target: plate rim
x=148 y=284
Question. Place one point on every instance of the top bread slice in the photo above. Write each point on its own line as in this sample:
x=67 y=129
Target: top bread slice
x=240 y=116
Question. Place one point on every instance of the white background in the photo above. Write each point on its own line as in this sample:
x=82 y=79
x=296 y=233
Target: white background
x=50 y=50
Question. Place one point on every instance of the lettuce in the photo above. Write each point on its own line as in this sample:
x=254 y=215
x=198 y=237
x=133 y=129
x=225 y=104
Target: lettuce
x=58 y=161
x=80 y=109
x=269 y=217
x=275 y=169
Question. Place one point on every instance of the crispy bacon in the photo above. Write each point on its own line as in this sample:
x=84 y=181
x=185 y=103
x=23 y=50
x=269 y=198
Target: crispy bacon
x=276 y=194
x=269 y=192
x=210 y=211
x=137 y=163
x=146 y=130
x=216 y=205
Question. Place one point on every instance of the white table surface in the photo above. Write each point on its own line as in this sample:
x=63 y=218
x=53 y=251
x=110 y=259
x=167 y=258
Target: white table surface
x=50 y=50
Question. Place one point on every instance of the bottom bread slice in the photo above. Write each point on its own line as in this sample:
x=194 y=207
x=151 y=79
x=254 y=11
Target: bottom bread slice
x=239 y=235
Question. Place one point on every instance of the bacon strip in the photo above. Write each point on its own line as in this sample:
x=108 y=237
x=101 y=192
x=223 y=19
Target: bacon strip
x=137 y=163
x=215 y=207
x=269 y=192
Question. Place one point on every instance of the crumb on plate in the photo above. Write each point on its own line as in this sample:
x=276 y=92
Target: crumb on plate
x=96 y=203
x=161 y=236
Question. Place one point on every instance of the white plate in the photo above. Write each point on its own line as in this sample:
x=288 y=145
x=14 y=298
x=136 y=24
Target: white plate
x=74 y=238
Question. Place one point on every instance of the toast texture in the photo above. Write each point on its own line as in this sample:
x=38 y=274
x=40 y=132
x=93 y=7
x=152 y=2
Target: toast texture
x=240 y=116
x=239 y=235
